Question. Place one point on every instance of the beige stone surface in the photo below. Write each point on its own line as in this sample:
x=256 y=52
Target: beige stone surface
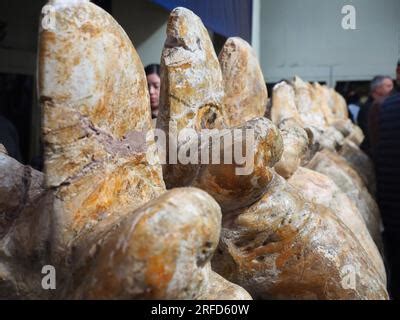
x=296 y=140
x=347 y=179
x=356 y=135
x=296 y=145
x=232 y=189
x=218 y=288
x=318 y=188
x=338 y=105
x=361 y=163
x=20 y=187
x=160 y=251
x=309 y=108
x=192 y=81
x=234 y=181
x=192 y=89
x=319 y=234
x=246 y=94
x=310 y=111
x=102 y=216
x=318 y=110
x=3 y=149
x=284 y=104
x=23 y=230
x=320 y=97
x=284 y=247
x=93 y=92
x=349 y=130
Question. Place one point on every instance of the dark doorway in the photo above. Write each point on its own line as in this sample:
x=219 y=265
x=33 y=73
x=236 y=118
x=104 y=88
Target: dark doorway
x=218 y=42
x=16 y=96
x=105 y=4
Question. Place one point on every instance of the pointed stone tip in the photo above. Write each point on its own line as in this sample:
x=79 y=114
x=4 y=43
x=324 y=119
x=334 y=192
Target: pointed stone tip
x=282 y=84
x=238 y=44
x=182 y=11
x=66 y=3
x=297 y=81
x=3 y=149
x=238 y=41
x=185 y=29
x=178 y=15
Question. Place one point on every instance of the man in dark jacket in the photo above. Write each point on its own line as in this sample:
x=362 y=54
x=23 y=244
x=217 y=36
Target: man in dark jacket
x=381 y=87
x=388 y=186
x=9 y=138
x=397 y=84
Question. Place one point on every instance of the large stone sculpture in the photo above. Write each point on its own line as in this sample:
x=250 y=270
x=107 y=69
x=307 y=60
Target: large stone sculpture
x=325 y=117
x=335 y=167
x=92 y=90
x=322 y=112
x=309 y=109
x=192 y=99
x=161 y=251
x=284 y=247
x=246 y=94
x=360 y=162
x=296 y=139
x=270 y=241
x=24 y=229
x=102 y=216
x=192 y=89
x=318 y=188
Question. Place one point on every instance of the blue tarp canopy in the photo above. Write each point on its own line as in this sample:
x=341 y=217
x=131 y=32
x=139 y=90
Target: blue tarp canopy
x=226 y=17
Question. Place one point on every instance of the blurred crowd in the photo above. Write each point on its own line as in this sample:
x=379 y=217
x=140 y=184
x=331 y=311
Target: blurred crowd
x=379 y=118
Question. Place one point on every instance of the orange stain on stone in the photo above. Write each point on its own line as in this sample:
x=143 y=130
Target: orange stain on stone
x=101 y=198
x=91 y=29
x=76 y=61
x=159 y=273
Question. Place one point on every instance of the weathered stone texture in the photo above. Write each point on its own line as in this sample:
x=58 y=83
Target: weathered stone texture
x=246 y=94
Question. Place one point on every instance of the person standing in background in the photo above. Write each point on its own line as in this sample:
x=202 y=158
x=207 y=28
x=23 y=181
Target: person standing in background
x=373 y=117
x=398 y=77
x=381 y=87
x=153 y=83
x=387 y=167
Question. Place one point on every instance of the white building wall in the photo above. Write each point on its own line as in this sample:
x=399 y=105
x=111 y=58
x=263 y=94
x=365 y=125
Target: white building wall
x=306 y=37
